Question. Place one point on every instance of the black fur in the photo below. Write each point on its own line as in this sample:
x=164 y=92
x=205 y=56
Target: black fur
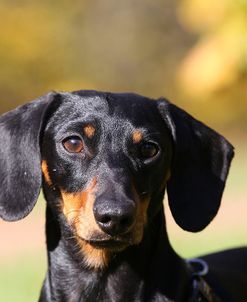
x=196 y=158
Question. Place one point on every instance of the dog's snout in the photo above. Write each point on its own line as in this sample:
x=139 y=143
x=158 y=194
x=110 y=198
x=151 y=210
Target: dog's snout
x=113 y=218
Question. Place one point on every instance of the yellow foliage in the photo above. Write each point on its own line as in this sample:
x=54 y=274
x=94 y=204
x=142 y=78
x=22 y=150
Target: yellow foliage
x=23 y=32
x=207 y=67
x=123 y=46
x=220 y=55
x=73 y=84
x=202 y=15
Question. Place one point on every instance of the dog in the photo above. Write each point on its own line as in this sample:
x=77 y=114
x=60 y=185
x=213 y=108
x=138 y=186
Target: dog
x=104 y=161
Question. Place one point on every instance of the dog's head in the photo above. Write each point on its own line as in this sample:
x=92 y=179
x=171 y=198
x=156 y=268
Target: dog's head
x=106 y=160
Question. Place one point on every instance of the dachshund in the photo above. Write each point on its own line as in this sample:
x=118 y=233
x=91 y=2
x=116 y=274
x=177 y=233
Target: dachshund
x=104 y=162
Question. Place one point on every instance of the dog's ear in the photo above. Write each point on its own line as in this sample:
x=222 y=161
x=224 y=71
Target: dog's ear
x=20 y=177
x=201 y=161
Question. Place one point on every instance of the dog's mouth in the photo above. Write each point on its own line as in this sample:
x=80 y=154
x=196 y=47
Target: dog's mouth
x=109 y=244
x=99 y=240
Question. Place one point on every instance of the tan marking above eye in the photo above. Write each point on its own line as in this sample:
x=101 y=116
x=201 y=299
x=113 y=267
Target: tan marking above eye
x=137 y=136
x=44 y=168
x=89 y=131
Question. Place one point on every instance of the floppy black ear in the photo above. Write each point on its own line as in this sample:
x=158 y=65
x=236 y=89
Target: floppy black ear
x=20 y=177
x=200 y=167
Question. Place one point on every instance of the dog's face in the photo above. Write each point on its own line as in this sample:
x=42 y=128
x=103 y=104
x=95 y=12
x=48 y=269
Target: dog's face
x=106 y=160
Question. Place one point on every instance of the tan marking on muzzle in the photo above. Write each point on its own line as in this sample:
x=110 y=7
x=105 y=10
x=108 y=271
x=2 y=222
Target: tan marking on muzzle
x=45 y=171
x=141 y=217
x=78 y=210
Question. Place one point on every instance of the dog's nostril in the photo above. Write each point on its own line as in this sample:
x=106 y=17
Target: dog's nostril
x=104 y=219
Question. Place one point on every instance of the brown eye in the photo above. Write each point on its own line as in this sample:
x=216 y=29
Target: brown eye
x=149 y=150
x=73 y=144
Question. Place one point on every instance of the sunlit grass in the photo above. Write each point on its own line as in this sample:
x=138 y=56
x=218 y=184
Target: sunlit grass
x=21 y=279
x=194 y=245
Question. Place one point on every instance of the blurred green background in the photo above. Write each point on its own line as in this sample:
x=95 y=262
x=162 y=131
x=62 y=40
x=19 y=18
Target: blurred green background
x=194 y=52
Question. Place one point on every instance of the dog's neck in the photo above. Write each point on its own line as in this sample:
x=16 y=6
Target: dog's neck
x=151 y=269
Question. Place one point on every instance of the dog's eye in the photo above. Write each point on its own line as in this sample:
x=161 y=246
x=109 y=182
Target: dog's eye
x=73 y=144
x=149 y=150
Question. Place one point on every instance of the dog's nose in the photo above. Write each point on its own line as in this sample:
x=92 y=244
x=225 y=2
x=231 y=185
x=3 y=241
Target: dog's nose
x=114 y=219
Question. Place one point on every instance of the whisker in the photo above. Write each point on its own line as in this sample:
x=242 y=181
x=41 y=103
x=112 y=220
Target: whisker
x=72 y=211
